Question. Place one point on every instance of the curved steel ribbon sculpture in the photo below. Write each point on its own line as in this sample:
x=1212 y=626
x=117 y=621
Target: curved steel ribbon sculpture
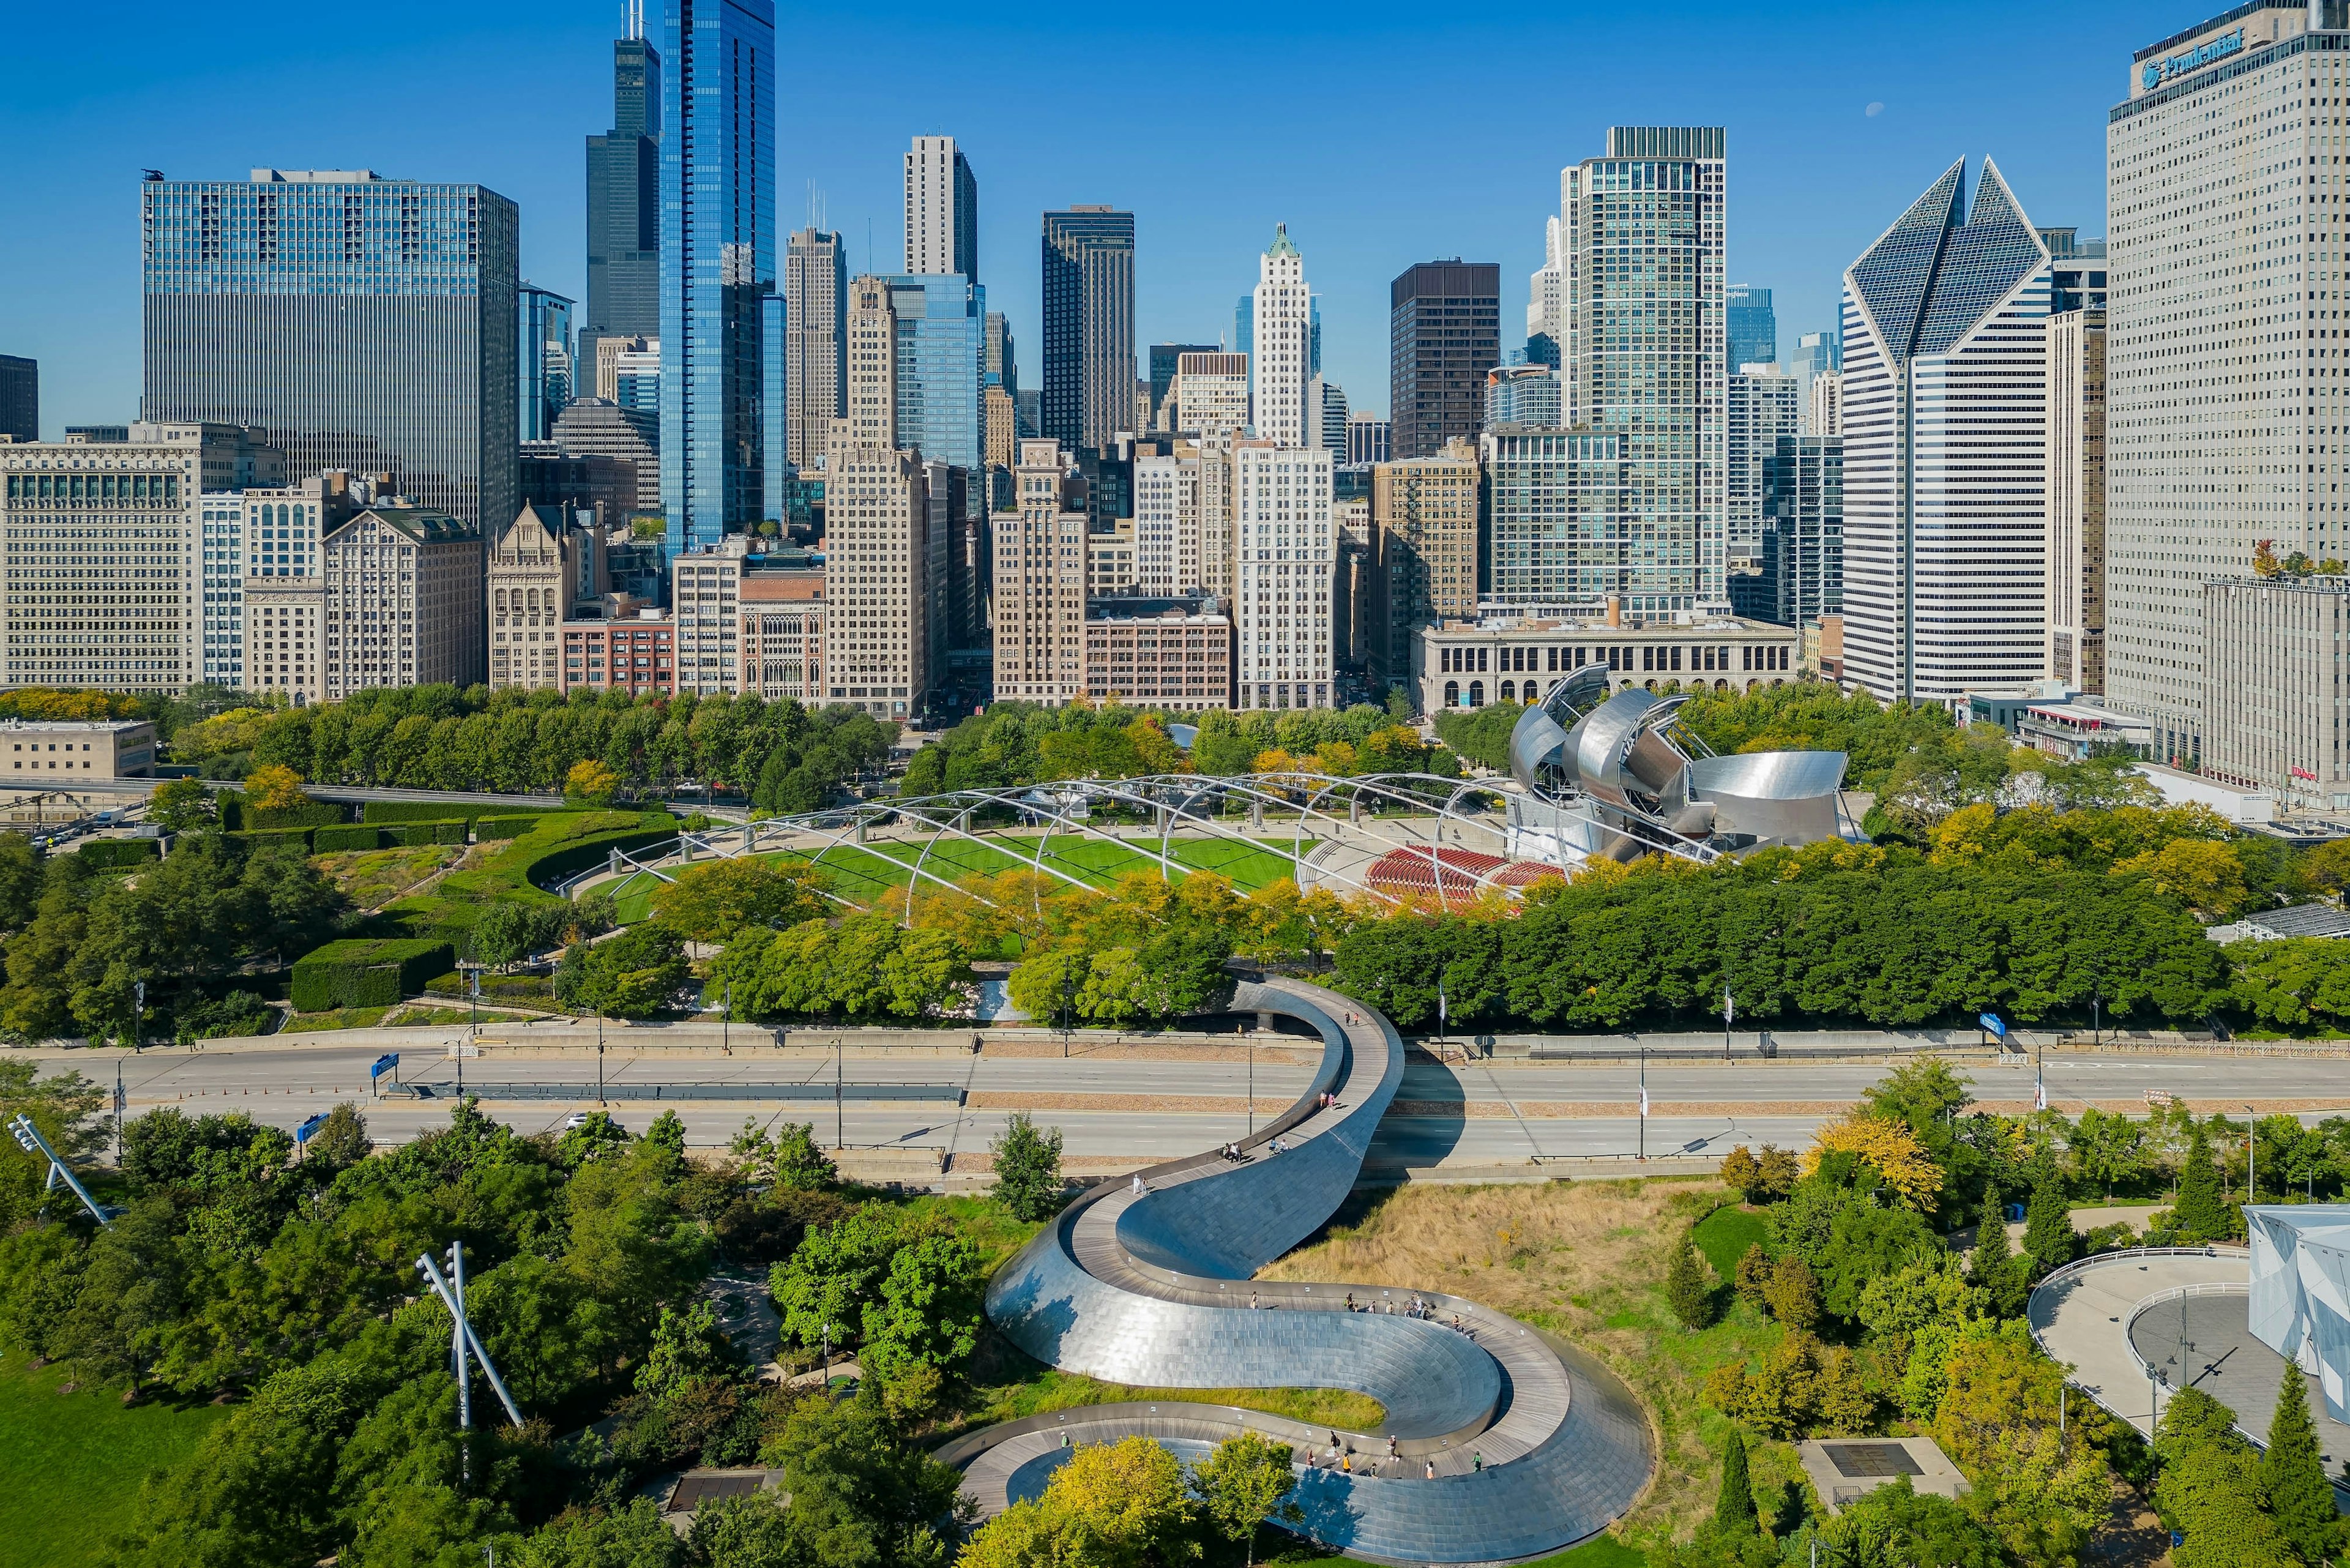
x=1500 y=1443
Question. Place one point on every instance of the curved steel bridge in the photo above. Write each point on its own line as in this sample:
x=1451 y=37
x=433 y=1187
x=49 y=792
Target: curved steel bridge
x=1510 y=1444
x=1335 y=828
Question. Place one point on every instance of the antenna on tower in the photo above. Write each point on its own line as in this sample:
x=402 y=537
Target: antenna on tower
x=636 y=22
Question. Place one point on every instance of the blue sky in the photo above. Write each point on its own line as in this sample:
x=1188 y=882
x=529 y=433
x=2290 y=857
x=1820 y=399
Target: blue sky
x=1382 y=135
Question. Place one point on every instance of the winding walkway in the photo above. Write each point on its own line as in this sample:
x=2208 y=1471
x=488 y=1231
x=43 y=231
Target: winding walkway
x=1508 y=1443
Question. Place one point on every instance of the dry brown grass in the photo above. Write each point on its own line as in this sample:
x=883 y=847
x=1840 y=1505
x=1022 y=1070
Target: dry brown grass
x=1587 y=1260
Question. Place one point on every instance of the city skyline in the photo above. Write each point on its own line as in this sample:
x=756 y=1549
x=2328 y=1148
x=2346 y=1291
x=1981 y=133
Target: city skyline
x=77 y=150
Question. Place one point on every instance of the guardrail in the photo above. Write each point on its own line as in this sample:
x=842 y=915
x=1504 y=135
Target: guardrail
x=2098 y=1260
x=944 y=1094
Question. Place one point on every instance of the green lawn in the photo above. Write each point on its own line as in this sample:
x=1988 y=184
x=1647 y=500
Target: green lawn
x=74 y=1463
x=864 y=874
x=1724 y=1235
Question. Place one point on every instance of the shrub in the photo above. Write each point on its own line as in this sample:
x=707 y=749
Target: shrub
x=263 y=837
x=450 y=833
x=308 y=813
x=488 y=828
x=109 y=853
x=328 y=840
x=389 y=811
x=364 y=972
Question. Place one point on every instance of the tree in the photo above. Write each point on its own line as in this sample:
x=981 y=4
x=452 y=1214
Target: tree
x=342 y=1141
x=2200 y=1215
x=2292 y=1474
x=2209 y=1489
x=1733 y=1510
x=688 y=1347
x=1686 y=1289
x=1794 y=1295
x=1755 y=1271
x=183 y=806
x=2042 y=1490
x=274 y=788
x=1889 y=1148
x=631 y=1537
x=633 y=975
x=710 y=903
x=1028 y=1169
x=1246 y=1482
x=1994 y=1266
x=1895 y=1526
x=590 y=783
x=2048 y=1237
x=800 y=1164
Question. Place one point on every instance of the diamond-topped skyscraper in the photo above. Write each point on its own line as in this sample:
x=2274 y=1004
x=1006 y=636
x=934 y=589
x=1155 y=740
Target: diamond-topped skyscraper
x=1945 y=424
x=717 y=263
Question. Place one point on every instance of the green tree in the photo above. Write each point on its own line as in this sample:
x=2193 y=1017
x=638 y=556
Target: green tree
x=2292 y=1475
x=800 y=1165
x=631 y=1537
x=1992 y=1267
x=1733 y=1509
x=2049 y=1240
x=1896 y=1527
x=688 y=1347
x=1028 y=1169
x=1687 y=1290
x=710 y=903
x=633 y=975
x=1245 y=1483
x=183 y=806
x=2200 y=1215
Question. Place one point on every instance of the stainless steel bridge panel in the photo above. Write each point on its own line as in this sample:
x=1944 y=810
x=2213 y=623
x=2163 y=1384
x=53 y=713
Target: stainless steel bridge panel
x=1784 y=797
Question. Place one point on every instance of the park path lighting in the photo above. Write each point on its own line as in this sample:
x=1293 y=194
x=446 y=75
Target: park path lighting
x=29 y=1139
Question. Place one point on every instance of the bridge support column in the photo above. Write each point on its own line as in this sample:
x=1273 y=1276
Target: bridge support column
x=612 y=861
x=747 y=837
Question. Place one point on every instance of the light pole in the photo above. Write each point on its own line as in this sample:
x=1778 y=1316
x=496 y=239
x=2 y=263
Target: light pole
x=839 y=1090
x=725 y=1019
x=600 y=1052
x=2251 y=1158
x=1251 y=1084
x=1729 y=1017
x=1644 y=1100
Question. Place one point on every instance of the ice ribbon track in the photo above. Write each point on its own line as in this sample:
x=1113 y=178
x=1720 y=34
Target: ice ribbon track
x=1535 y=1445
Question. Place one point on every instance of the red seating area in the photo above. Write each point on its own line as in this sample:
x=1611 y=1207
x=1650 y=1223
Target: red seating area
x=1450 y=872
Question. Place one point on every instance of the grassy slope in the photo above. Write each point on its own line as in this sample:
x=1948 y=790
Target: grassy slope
x=1724 y=1235
x=1585 y=1260
x=74 y=1462
x=864 y=874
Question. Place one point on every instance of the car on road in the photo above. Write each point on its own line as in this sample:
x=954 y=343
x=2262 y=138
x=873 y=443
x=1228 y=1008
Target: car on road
x=575 y=1119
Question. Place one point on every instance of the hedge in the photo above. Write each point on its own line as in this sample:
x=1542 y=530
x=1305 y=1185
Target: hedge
x=488 y=828
x=431 y=810
x=309 y=814
x=261 y=838
x=412 y=833
x=107 y=853
x=327 y=840
x=364 y=972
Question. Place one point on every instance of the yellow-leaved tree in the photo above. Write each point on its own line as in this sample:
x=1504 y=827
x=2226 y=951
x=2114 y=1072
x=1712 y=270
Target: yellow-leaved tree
x=274 y=788
x=1889 y=1147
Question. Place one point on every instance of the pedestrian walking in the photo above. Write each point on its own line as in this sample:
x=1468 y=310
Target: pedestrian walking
x=1431 y=1469
x=1476 y=1461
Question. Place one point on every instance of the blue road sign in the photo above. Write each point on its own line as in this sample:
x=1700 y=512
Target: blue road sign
x=383 y=1064
x=1991 y=1021
x=303 y=1133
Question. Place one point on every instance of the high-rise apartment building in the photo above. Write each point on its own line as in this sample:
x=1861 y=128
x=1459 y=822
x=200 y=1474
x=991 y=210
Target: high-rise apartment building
x=1555 y=500
x=717 y=263
x=870 y=391
x=1001 y=409
x=1444 y=333
x=399 y=602
x=1520 y=395
x=1546 y=300
x=593 y=428
x=1369 y=440
x=101 y=546
x=1763 y=406
x=1814 y=354
x=1164 y=359
x=20 y=398
x=1424 y=514
x=1752 y=327
x=1823 y=405
x=1803 y=529
x=1040 y=580
x=1326 y=415
x=816 y=302
x=1946 y=426
x=546 y=562
x=267 y=540
x=543 y=361
x=624 y=200
x=367 y=324
x=1168 y=538
x=2075 y=504
x=1280 y=363
x=939 y=338
x=1643 y=366
x=1286 y=548
x=1088 y=303
x=2276 y=695
x=705 y=606
x=1211 y=394
x=878 y=555
x=2225 y=398
x=942 y=209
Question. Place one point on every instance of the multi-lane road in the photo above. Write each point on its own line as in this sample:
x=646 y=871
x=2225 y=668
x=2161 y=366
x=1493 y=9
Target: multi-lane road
x=1139 y=1104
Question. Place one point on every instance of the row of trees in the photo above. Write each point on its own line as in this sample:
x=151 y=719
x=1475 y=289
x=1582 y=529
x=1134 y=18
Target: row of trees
x=784 y=756
x=2102 y=914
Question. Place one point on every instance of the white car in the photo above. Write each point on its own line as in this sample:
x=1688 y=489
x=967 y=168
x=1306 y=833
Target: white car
x=575 y=1119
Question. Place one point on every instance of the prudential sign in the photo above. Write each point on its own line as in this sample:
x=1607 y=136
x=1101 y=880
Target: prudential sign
x=2160 y=71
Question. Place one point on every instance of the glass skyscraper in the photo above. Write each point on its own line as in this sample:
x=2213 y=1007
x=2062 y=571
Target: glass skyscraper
x=367 y=324
x=717 y=263
x=941 y=366
x=1089 y=375
x=542 y=362
x=1754 y=328
x=624 y=203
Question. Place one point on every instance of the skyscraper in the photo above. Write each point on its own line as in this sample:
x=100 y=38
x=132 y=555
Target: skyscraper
x=543 y=363
x=1040 y=580
x=1002 y=395
x=1163 y=360
x=1211 y=394
x=870 y=398
x=1423 y=551
x=20 y=398
x=815 y=296
x=1444 y=333
x=367 y=324
x=1763 y=406
x=1286 y=546
x=1642 y=234
x=1945 y=424
x=2076 y=499
x=624 y=200
x=1803 y=528
x=938 y=386
x=1754 y=327
x=942 y=209
x=1520 y=395
x=2225 y=400
x=1280 y=369
x=1088 y=391
x=717 y=263
x=1326 y=415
